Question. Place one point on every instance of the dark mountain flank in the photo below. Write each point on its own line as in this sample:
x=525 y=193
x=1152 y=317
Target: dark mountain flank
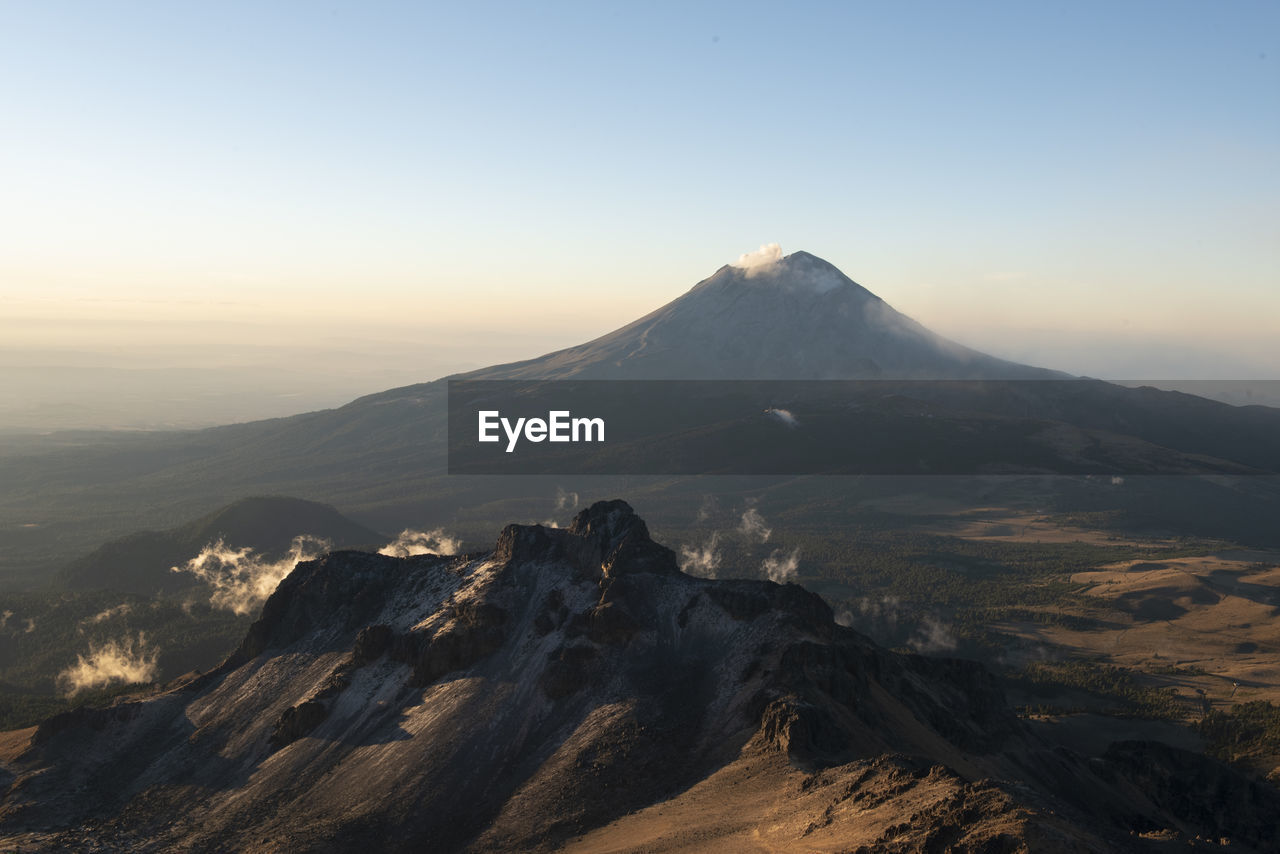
x=573 y=689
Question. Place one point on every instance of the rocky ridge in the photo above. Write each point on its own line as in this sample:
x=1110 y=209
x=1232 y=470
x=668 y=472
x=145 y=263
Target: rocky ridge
x=556 y=692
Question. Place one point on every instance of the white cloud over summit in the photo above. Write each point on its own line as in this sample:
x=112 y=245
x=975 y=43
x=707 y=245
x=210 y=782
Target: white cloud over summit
x=764 y=257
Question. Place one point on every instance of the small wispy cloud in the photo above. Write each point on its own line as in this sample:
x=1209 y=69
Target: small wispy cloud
x=882 y=613
x=566 y=500
x=411 y=542
x=242 y=580
x=124 y=661
x=780 y=566
x=702 y=560
x=784 y=416
x=107 y=614
x=710 y=505
x=892 y=622
x=753 y=526
x=933 y=635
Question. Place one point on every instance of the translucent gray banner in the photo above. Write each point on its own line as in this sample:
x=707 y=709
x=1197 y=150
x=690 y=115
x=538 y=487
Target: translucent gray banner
x=692 y=427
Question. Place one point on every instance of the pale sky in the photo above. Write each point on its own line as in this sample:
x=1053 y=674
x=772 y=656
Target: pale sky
x=1089 y=186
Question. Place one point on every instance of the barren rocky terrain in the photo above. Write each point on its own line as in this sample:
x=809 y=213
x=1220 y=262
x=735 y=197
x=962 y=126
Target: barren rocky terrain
x=573 y=689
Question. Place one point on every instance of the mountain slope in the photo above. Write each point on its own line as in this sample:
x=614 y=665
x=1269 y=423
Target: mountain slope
x=571 y=682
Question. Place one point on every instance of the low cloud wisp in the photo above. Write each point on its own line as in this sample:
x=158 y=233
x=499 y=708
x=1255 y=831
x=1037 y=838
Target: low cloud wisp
x=710 y=506
x=411 y=542
x=753 y=526
x=783 y=416
x=932 y=636
x=109 y=613
x=241 y=580
x=703 y=561
x=892 y=622
x=780 y=566
x=124 y=661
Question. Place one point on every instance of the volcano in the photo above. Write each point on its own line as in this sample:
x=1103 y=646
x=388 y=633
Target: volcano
x=796 y=318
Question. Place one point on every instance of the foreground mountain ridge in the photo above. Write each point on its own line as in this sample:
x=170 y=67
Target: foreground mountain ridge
x=562 y=691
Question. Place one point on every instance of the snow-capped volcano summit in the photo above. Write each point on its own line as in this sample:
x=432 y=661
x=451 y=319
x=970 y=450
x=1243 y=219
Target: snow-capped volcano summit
x=798 y=271
x=770 y=317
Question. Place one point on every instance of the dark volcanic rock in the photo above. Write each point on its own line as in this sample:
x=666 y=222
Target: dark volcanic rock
x=371 y=643
x=84 y=717
x=1198 y=790
x=611 y=624
x=568 y=670
x=297 y=721
x=339 y=591
x=738 y=603
x=606 y=539
x=960 y=699
x=474 y=631
x=804 y=731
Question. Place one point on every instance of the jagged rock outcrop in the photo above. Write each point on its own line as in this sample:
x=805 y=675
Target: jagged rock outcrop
x=606 y=540
x=568 y=683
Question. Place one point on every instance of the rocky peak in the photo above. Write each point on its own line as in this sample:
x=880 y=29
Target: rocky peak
x=609 y=522
x=796 y=274
x=605 y=540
